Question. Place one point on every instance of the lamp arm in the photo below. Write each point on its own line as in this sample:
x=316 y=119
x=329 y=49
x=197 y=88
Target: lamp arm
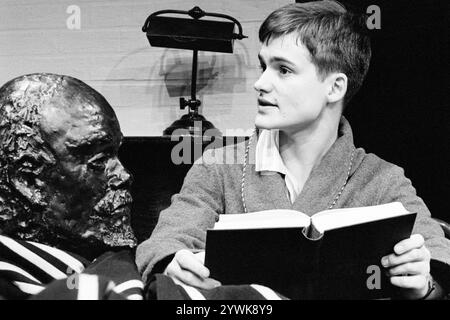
x=236 y=36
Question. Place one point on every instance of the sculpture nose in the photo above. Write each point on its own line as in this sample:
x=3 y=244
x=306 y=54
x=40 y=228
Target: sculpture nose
x=118 y=176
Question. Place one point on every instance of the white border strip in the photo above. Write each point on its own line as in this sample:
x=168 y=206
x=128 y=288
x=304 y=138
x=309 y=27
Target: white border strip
x=192 y=292
x=129 y=285
x=33 y=258
x=135 y=297
x=87 y=287
x=5 y=266
x=73 y=263
x=28 y=288
x=266 y=292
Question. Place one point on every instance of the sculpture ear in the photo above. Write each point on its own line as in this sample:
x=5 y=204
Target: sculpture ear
x=24 y=178
x=28 y=188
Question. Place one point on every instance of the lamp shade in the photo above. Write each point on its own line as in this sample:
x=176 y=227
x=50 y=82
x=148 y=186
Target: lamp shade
x=181 y=33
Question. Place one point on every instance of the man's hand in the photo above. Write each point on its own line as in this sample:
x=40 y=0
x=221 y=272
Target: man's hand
x=188 y=268
x=409 y=267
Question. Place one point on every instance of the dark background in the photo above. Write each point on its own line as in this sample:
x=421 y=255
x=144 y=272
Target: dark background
x=401 y=113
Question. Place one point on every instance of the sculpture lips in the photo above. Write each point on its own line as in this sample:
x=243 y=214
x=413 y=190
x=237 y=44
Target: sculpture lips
x=113 y=201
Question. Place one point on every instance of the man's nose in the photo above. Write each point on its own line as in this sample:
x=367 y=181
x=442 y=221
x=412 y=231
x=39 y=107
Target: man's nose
x=118 y=176
x=263 y=84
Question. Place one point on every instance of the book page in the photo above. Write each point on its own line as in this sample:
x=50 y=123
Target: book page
x=338 y=218
x=280 y=218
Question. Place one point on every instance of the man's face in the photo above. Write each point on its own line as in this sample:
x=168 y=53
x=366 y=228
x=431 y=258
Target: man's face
x=291 y=94
x=89 y=188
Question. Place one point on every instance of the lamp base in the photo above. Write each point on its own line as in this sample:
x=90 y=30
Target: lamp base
x=192 y=124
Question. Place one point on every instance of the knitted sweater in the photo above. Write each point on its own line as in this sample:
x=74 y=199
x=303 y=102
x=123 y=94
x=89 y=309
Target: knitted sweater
x=345 y=177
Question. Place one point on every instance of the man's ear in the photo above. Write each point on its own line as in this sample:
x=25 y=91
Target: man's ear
x=337 y=87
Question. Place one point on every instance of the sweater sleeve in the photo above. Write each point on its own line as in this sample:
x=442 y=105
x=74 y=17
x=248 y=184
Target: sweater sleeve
x=400 y=189
x=183 y=225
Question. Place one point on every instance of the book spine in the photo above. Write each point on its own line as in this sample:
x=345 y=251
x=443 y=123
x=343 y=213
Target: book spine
x=311 y=233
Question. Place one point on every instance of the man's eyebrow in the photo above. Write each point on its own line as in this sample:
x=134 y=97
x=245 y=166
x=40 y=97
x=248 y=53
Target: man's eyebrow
x=275 y=59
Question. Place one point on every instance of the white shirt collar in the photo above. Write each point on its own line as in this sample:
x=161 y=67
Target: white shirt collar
x=268 y=160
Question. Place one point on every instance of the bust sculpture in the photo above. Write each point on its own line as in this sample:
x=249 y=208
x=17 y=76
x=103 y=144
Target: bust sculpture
x=61 y=182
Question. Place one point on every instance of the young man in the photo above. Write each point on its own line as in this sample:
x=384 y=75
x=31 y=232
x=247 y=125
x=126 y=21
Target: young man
x=314 y=57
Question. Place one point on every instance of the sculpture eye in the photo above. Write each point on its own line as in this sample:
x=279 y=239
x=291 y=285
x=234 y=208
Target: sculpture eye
x=28 y=163
x=98 y=162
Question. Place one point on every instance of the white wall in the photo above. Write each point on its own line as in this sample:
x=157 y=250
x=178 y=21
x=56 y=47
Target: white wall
x=112 y=54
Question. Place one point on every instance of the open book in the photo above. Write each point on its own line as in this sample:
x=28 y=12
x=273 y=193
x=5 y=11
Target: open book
x=332 y=254
x=314 y=226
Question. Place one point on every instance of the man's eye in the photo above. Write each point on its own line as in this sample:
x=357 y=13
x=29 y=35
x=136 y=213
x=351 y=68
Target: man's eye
x=284 y=70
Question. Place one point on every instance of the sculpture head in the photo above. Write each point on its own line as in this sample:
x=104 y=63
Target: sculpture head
x=61 y=181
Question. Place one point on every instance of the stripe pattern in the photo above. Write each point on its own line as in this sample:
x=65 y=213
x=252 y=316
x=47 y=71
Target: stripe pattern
x=165 y=288
x=37 y=271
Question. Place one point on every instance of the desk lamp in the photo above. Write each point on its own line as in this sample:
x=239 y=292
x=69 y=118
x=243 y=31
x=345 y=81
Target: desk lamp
x=194 y=34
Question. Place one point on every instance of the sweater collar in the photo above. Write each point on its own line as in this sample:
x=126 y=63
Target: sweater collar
x=330 y=175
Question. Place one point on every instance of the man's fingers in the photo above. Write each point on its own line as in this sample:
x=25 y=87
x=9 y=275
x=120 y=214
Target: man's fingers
x=187 y=277
x=410 y=268
x=200 y=256
x=410 y=282
x=190 y=262
x=187 y=268
x=181 y=276
x=414 y=255
x=413 y=242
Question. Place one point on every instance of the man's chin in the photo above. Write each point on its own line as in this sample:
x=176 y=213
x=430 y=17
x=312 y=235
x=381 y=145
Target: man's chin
x=264 y=122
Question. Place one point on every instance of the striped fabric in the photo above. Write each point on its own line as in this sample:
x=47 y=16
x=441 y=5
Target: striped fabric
x=37 y=271
x=162 y=287
x=31 y=270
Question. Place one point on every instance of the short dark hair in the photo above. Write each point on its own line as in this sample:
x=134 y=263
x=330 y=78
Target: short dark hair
x=336 y=39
